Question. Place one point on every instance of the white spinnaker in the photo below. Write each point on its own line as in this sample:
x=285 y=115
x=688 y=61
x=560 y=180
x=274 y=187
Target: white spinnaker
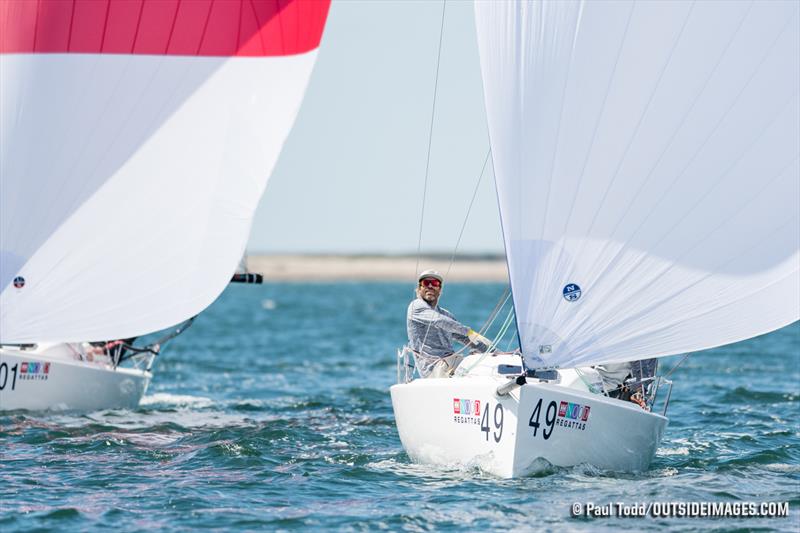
x=648 y=153
x=129 y=183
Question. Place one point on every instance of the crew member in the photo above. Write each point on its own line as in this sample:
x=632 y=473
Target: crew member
x=628 y=381
x=432 y=330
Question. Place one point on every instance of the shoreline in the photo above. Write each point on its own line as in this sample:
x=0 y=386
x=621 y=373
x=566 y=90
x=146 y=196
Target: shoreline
x=403 y=268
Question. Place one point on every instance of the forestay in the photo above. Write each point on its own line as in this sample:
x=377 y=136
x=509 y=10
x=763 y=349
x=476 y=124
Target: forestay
x=647 y=164
x=136 y=139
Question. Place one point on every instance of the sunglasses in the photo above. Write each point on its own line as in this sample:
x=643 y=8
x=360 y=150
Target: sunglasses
x=430 y=282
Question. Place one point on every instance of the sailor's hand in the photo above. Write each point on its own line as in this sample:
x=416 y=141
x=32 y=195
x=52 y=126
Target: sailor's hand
x=638 y=399
x=477 y=338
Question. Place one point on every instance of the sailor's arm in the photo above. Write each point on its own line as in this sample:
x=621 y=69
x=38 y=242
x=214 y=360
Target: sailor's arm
x=432 y=318
x=427 y=317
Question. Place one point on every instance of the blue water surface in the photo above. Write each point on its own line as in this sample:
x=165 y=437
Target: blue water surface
x=273 y=412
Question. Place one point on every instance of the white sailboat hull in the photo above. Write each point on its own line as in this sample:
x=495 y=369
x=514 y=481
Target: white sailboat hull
x=35 y=381
x=439 y=423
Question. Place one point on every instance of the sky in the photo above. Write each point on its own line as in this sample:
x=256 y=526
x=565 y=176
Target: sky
x=351 y=175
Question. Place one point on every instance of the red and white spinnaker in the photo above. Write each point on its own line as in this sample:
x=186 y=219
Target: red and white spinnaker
x=136 y=139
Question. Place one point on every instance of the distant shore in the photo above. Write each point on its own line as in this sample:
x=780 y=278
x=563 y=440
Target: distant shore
x=375 y=267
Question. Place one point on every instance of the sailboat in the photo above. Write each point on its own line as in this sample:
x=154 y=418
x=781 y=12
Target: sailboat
x=137 y=139
x=647 y=166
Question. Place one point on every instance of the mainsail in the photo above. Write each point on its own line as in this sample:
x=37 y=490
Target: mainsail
x=647 y=159
x=136 y=139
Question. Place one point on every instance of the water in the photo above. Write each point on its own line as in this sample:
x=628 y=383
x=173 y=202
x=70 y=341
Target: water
x=273 y=412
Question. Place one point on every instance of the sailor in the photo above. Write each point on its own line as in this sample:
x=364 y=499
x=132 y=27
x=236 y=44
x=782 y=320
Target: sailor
x=628 y=381
x=432 y=330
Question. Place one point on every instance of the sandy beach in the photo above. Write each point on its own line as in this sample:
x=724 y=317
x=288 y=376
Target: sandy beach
x=374 y=268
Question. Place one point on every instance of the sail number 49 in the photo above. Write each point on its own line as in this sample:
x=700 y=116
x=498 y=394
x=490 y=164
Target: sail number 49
x=549 y=419
x=498 y=422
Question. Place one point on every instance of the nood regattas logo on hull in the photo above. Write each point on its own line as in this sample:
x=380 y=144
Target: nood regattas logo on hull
x=466 y=411
x=573 y=415
x=30 y=370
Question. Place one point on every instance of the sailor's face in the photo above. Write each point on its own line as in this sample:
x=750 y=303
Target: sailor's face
x=430 y=289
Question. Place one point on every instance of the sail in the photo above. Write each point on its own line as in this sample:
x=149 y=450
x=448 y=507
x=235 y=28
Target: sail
x=136 y=139
x=647 y=162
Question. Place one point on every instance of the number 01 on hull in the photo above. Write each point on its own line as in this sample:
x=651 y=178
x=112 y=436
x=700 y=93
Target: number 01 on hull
x=462 y=421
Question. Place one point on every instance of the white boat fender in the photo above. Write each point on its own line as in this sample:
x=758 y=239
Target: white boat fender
x=505 y=388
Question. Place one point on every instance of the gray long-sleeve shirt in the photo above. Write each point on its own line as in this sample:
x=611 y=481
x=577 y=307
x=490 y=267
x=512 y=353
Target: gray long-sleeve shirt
x=432 y=330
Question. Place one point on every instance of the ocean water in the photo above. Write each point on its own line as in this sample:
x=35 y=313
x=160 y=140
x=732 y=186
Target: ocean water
x=273 y=412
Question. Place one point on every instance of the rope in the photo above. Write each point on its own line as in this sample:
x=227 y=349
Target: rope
x=498 y=338
x=674 y=368
x=503 y=329
x=489 y=321
x=430 y=140
x=428 y=157
x=506 y=294
x=469 y=209
x=500 y=304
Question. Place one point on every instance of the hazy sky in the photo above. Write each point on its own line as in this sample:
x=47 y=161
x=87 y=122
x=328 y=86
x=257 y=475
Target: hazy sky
x=350 y=178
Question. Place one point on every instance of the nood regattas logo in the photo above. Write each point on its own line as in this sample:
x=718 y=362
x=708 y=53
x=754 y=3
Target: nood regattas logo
x=573 y=415
x=466 y=411
x=32 y=370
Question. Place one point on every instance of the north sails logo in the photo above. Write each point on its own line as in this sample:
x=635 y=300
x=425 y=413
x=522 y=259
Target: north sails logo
x=571 y=292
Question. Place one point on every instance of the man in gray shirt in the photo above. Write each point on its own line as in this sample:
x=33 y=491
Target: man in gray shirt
x=432 y=330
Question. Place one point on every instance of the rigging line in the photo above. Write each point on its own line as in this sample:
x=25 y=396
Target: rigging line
x=674 y=368
x=497 y=308
x=430 y=139
x=503 y=330
x=492 y=316
x=506 y=246
x=428 y=163
x=469 y=210
x=494 y=344
x=510 y=343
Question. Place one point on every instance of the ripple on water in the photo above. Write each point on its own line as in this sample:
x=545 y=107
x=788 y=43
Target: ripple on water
x=163 y=399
